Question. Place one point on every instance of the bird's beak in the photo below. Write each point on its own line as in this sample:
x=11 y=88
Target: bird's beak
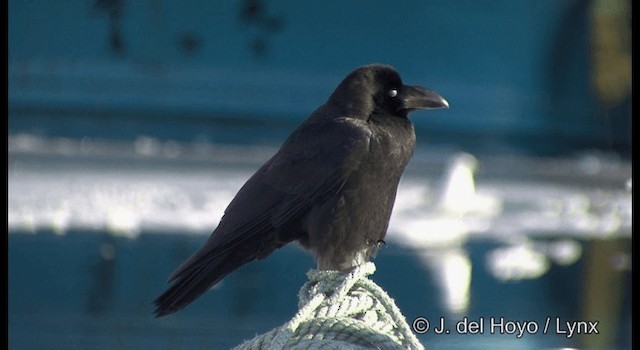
x=417 y=97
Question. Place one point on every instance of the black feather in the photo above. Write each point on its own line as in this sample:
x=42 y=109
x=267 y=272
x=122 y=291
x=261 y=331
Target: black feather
x=331 y=186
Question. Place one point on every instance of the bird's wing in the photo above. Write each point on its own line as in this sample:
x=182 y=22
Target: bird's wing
x=312 y=165
x=315 y=165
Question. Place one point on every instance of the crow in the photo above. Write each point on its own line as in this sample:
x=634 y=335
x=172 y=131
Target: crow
x=331 y=186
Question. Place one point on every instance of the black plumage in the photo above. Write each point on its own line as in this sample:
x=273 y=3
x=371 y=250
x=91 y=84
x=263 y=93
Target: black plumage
x=331 y=186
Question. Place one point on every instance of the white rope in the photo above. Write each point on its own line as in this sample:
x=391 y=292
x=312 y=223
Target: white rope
x=341 y=310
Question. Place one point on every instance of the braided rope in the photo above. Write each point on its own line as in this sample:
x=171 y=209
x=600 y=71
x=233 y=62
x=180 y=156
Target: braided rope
x=341 y=310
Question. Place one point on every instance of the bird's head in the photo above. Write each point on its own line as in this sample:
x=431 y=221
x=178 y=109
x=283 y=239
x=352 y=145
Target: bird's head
x=378 y=86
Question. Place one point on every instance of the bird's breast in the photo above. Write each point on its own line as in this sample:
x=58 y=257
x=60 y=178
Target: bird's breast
x=393 y=140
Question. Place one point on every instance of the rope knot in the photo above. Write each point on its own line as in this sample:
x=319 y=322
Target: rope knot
x=333 y=284
x=341 y=310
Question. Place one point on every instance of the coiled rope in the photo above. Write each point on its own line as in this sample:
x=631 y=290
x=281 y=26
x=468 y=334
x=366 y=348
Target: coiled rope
x=341 y=310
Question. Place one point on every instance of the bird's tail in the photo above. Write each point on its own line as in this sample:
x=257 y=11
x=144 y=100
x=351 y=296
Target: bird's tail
x=197 y=275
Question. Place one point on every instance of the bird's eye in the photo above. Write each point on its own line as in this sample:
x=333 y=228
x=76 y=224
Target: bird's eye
x=393 y=93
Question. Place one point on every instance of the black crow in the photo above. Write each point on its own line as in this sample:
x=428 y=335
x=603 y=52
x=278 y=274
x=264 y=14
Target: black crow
x=331 y=186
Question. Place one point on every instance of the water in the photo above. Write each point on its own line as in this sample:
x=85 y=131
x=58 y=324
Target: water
x=124 y=125
x=96 y=226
